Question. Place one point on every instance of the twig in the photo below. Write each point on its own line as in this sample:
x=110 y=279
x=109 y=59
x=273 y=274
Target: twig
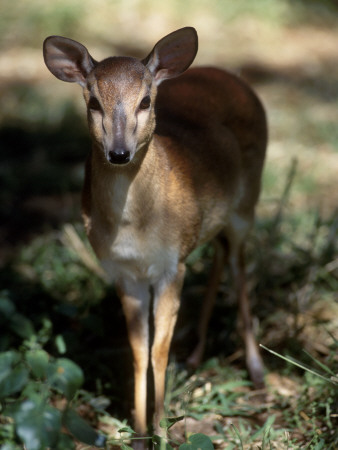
x=72 y=240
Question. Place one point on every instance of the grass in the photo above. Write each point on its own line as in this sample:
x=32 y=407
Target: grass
x=55 y=297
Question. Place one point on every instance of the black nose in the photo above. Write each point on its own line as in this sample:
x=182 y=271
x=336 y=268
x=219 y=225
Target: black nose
x=119 y=156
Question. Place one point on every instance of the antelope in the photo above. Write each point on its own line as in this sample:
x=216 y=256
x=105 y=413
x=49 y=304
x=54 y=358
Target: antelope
x=176 y=161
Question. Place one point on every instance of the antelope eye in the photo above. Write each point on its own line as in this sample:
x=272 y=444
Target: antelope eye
x=94 y=104
x=145 y=102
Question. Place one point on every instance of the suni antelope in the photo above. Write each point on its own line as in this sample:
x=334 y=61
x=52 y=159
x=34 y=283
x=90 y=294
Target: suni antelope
x=176 y=161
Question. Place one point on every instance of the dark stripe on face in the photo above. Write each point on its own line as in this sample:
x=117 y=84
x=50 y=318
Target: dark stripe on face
x=119 y=124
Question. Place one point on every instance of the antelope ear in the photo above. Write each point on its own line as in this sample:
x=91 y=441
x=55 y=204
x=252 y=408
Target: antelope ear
x=68 y=60
x=173 y=54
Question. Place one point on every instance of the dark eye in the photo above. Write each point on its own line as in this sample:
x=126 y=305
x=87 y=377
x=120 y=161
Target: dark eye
x=94 y=104
x=145 y=102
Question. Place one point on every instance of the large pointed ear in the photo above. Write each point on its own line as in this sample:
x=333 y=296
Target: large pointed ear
x=173 y=54
x=68 y=60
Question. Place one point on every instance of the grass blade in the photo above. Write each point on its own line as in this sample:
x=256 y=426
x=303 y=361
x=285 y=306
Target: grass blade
x=298 y=364
x=236 y=432
x=320 y=364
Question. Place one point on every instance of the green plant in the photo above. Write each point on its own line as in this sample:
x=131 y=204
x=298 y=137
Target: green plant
x=317 y=400
x=30 y=382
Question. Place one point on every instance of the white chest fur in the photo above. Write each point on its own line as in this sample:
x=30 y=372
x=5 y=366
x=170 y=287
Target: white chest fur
x=132 y=252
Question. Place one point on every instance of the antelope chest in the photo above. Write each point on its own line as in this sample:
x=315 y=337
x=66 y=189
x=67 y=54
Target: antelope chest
x=138 y=257
x=129 y=250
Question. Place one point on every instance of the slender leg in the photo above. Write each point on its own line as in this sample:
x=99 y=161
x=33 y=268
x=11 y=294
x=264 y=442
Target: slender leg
x=135 y=298
x=166 y=306
x=253 y=359
x=195 y=358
